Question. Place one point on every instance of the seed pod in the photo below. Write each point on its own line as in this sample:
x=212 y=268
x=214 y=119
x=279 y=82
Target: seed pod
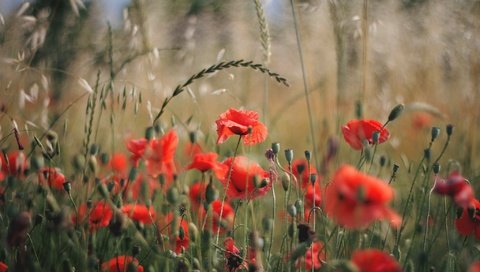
x=172 y=195
x=275 y=148
x=149 y=133
x=395 y=112
x=435 y=133
x=289 y=155
x=308 y=155
x=292 y=210
x=449 y=129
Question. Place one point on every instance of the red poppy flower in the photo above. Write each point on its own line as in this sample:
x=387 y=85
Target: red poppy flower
x=197 y=194
x=354 y=200
x=357 y=131
x=233 y=259
x=244 y=176
x=98 y=216
x=15 y=165
x=469 y=221
x=52 y=177
x=314 y=256
x=421 y=120
x=374 y=260
x=474 y=267
x=139 y=213
x=119 y=164
x=456 y=187
x=299 y=169
x=121 y=264
x=208 y=161
x=312 y=196
x=241 y=122
x=137 y=148
x=3 y=267
x=157 y=153
x=180 y=241
x=226 y=221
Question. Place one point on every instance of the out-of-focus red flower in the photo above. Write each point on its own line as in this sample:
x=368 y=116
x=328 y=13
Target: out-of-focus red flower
x=121 y=264
x=300 y=170
x=354 y=200
x=137 y=148
x=208 y=161
x=119 y=164
x=456 y=187
x=157 y=153
x=52 y=177
x=241 y=122
x=314 y=256
x=226 y=222
x=233 y=260
x=312 y=195
x=181 y=239
x=197 y=194
x=374 y=260
x=3 y=267
x=99 y=215
x=15 y=165
x=243 y=178
x=357 y=131
x=469 y=221
x=421 y=120
x=139 y=213
x=474 y=267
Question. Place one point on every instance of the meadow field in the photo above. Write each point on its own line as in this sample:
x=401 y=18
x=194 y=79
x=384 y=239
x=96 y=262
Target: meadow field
x=254 y=135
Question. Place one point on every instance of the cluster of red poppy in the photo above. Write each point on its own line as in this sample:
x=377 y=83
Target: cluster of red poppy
x=459 y=189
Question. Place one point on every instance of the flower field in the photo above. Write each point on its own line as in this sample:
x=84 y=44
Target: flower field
x=255 y=135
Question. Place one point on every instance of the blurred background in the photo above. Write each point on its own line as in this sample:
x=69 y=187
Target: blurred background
x=360 y=59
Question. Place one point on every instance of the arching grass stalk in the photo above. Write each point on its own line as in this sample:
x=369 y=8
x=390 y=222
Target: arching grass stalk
x=229 y=176
x=305 y=85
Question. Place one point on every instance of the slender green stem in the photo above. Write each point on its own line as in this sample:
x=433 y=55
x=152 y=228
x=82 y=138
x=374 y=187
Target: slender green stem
x=305 y=85
x=229 y=175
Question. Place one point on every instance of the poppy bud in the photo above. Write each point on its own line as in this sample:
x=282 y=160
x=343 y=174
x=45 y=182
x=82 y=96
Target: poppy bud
x=289 y=155
x=449 y=129
x=104 y=158
x=211 y=194
x=285 y=181
x=395 y=112
x=435 y=133
x=290 y=230
x=37 y=162
x=436 y=168
x=427 y=153
x=149 y=133
x=78 y=162
x=275 y=148
x=192 y=135
x=132 y=174
x=92 y=164
x=267 y=223
x=308 y=155
x=383 y=161
x=299 y=205
x=172 y=195
x=193 y=232
x=67 y=186
x=93 y=149
x=292 y=210
x=313 y=178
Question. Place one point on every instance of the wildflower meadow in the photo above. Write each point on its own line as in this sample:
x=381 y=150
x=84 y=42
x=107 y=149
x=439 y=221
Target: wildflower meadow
x=253 y=135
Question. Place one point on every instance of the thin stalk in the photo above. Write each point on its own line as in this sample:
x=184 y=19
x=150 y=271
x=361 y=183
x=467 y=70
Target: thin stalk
x=229 y=175
x=305 y=85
